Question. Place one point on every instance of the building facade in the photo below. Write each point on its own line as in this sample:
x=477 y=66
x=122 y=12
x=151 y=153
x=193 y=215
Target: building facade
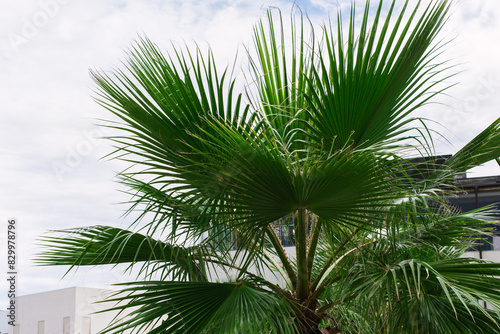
x=67 y=311
x=476 y=193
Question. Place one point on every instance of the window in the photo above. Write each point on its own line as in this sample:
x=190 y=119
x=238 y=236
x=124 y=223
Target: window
x=496 y=243
x=41 y=327
x=66 y=325
x=86 y=325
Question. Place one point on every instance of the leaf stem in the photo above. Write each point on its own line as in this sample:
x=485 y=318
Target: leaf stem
x=280 y=251
x=301 y=248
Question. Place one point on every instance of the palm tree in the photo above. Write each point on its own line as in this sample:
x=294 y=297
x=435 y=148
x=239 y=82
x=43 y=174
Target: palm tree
x=323 y=139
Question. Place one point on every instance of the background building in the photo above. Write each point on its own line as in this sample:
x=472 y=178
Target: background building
x=4 y=328
x=477 y=193
x=66 y=311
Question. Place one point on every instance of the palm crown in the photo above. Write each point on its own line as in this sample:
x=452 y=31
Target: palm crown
x=323 y=138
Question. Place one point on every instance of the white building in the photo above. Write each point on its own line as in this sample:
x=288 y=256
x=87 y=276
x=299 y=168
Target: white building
x=66 y=311
x=4 y=329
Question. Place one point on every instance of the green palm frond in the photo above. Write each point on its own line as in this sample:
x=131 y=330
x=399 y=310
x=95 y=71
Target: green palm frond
x=367 y=86
x=400 y=296
x=483 y=148
x=435 y=315
x=105 y=245
x=201 y=307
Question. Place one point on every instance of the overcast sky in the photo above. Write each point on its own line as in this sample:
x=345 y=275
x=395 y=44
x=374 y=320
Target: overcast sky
x=51 y=173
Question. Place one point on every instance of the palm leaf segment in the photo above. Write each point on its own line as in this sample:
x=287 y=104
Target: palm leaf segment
x=321 y=141
x=226 y=308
